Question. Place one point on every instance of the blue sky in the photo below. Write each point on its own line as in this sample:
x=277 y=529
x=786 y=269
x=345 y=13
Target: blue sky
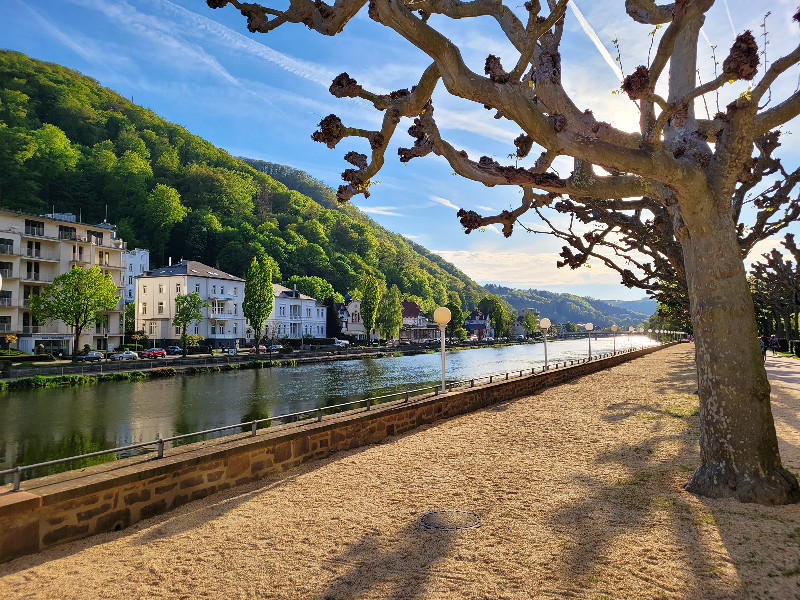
x=262 y=96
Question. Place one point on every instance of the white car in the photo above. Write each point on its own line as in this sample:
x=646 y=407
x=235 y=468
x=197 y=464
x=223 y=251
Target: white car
x=340 y=343
x=124 y=355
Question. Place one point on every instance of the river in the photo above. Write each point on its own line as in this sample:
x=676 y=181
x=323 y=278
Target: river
x=38 y=425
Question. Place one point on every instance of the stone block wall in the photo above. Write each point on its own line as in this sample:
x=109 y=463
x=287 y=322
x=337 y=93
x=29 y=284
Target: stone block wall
x=110 y=496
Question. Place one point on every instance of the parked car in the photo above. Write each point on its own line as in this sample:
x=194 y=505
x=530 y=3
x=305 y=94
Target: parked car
x=154 y=353
x=174 y=350
x=91 y=356
x=261 y=349
x=340 y=343
x=275 y=347
x=124 y=355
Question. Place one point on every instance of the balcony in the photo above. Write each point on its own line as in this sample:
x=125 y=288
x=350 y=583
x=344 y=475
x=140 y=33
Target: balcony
x=34 y=231
x=78 y=259
x=222 y=314
x=37 y=277
x=39 y=255
x=39 y=329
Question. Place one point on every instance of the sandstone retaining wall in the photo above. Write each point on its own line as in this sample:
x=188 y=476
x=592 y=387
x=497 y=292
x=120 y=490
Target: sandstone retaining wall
x=73 y=505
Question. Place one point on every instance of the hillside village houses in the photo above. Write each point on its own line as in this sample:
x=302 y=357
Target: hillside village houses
x=416 y=327
x=34 y=250
x=223 y=325
x=477 y=324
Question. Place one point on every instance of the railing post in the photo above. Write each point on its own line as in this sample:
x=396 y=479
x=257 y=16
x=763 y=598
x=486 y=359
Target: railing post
x=17 y=478
x=406 y=395
x=471 y=383
x=319 y=415
x=253 y=429
x=506 y=376
x=160 y=443
x=369 y=403
x=491 y=378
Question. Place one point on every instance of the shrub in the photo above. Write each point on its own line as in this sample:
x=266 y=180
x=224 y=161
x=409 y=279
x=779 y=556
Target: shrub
x=163 y=372
x=20 y=358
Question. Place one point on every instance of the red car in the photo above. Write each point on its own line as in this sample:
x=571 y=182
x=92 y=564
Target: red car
x=153 y=353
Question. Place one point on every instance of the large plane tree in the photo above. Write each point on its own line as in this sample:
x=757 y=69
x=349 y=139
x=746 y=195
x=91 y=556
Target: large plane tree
x=688 y=167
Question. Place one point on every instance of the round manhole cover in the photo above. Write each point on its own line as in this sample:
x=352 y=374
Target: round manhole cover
x=450 y=520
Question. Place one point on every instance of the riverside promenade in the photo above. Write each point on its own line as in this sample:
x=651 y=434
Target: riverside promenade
x=578 y=489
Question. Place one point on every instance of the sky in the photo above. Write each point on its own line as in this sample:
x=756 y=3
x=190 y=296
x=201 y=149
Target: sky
x=263 y=95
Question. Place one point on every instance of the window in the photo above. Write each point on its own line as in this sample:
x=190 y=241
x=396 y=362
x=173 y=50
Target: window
x=130 y=280
x=177 y=331
x=197 y=287
x=141 y=268
x=235 y=328
x=130 y=268
x=34 y=227
x=213 y=289
x=95 y=237
x=144 y=308
x=130 y=293
x=177 y=288
x=161 y=308
x=153 y=329
x=144 y=289
x=197 y=329
x=235 y=291
x=6 y=246
x=235 y=309
x=308 y=312
x=282 y=311
x=213 y=330
x=222 y=289
x=160 y=288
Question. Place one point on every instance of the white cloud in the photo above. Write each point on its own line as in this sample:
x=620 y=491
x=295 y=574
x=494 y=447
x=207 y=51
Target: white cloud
x=525 y=270
x=388 y=211
x=444 y=202
x=410 y=237
x=486 y=208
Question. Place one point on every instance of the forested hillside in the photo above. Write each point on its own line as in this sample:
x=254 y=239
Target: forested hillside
x=69 y=145
x=561 y=308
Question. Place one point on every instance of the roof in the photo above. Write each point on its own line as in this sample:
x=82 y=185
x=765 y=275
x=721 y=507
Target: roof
x=280 y=291
x=411 y=310
x=191 y=268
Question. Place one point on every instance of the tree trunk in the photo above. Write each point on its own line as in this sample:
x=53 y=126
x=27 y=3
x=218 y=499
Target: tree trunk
x=738 y=444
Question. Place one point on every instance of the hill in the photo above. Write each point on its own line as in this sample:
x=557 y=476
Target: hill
x=560 y=308
x=67 y=144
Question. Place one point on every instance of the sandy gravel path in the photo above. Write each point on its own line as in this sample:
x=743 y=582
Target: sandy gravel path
x=578 y=488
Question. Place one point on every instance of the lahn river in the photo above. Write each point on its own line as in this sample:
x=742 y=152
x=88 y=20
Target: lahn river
x=44 y=424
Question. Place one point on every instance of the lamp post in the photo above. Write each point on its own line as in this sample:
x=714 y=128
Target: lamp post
x=614 y=329
x=640 y=331
x=589 y=327
x=545 y=325
x=442 y=316
x=630 y=331
x=649 y=334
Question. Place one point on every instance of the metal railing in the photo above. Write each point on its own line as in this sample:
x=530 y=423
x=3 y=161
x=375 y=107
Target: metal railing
x=318 y=412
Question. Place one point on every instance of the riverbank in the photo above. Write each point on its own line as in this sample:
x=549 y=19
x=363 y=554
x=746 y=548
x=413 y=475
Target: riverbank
x=579 y=489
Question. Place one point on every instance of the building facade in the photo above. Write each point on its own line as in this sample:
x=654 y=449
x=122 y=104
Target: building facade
x=294 y=315
x=223 y=323
x=137 y=262
x=416 y=327
x=34 y=250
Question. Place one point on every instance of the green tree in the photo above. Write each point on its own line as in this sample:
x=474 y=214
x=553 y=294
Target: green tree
x=389 y=317
x=163 y=209
x=529 y=322
x=369 y=303
x=316 y=287
x=455 y=327
x=499 y=317
x=188 y=310
x=258 y=296
x=77 y=297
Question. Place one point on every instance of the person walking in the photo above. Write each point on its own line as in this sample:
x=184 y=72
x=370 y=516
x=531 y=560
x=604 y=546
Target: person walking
x=774 y=344
x=763 y=341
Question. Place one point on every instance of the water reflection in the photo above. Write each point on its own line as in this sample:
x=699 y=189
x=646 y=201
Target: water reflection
x=45 y=424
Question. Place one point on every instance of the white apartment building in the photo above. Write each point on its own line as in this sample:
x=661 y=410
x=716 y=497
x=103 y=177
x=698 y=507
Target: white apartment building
x=223 y=324
x=34 y=250
x=294 y=315
x=136 y=262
